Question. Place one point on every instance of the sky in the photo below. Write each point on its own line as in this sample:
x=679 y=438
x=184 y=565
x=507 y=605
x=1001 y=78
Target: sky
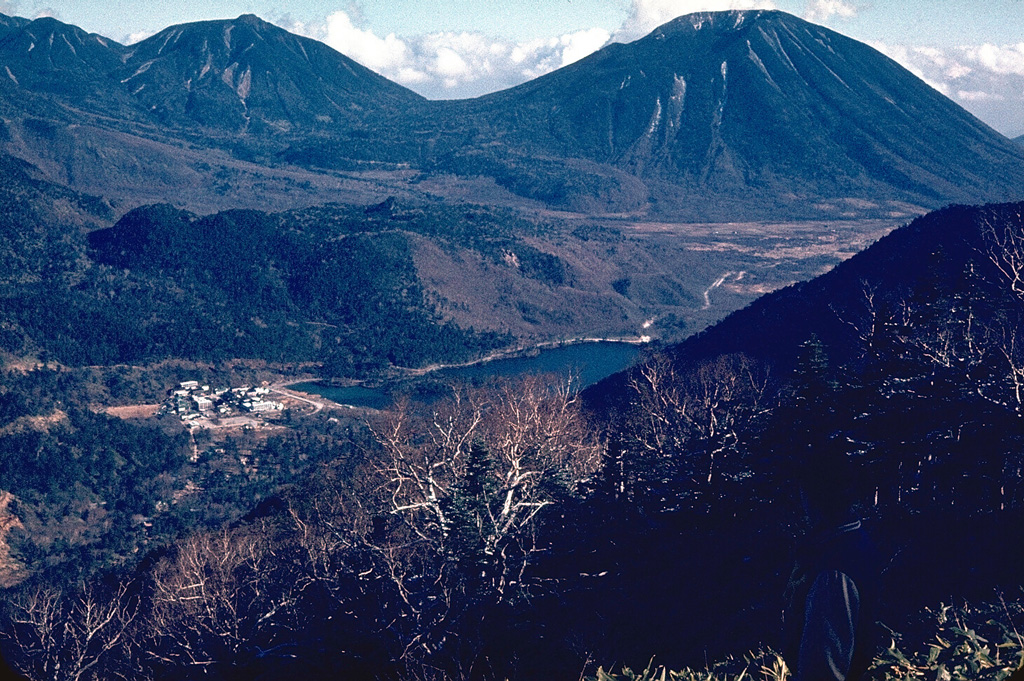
x=970 y=50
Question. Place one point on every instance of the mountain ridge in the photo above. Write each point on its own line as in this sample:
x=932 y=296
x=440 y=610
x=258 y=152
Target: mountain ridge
x=710 y=116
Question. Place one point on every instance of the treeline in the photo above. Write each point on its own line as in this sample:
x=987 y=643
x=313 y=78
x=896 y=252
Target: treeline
x=83 y=483
x=573 y=186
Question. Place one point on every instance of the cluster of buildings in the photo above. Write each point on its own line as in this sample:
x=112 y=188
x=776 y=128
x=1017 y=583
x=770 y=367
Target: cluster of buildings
x=190 y=401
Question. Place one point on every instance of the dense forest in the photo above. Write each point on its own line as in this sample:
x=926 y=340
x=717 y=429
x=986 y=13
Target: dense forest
x=93 y=492
x=331 y=285
x=524 y=530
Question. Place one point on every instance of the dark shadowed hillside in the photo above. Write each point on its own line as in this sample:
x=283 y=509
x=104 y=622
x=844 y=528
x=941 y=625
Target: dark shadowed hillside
x=957 y=252
x=889 y=388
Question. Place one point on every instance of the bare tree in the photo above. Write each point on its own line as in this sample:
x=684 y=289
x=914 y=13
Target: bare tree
x=684 y=422
x=660 y=406
x=1004 y=247
x=1010 y=349
x=329 y=532
x=723 y=396
x=423 y=457
x=218 y=598
x=464 y=486
x=69 y=637
x=536 y=429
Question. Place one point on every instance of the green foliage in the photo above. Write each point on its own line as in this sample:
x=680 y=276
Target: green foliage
x=468 y=509
x=337 y=286
x=968 y=643
x=535 y=177
x=85 y=483
x=763 y=665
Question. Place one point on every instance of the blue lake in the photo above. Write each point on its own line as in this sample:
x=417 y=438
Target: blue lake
x=590 y=362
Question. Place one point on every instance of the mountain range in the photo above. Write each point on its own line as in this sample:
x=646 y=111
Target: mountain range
x=751 y=118
x=711 y=116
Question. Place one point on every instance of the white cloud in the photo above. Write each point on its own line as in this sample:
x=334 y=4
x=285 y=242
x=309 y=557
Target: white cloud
x=948 y=65
x=978 y=96
x=580 y=44
x=379 y=54
x=647 y=15
x=823 y=10
x=987 y=80
x=410 y=76
x=138 y=37
x=916 y=60
x=1000 y=59
x=446 y=65
x=291 y=24
x=959 y=63
x=537 y=57
x=451 y=66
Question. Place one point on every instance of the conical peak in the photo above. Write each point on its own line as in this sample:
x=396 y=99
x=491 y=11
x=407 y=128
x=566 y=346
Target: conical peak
x=728 y=20
x=226 y=27
x=255 y=24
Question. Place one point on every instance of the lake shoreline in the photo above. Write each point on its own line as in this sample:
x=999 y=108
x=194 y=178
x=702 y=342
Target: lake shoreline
x=521 y=352
x=591 y=358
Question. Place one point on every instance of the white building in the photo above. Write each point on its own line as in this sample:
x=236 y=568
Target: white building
x=266 y=406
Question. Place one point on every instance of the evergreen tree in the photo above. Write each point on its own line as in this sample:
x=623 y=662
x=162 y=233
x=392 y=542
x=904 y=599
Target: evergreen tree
x=470 y=516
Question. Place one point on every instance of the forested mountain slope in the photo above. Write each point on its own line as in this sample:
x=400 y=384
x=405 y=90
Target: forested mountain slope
x=918 y=274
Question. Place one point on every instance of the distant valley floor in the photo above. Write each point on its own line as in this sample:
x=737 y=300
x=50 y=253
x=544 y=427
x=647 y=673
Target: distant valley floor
x=628 y=278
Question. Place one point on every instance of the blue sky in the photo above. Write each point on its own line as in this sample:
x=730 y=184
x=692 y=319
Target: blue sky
x=972 y=51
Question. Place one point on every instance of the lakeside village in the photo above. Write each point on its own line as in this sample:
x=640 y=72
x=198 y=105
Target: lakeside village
x=191 y=402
